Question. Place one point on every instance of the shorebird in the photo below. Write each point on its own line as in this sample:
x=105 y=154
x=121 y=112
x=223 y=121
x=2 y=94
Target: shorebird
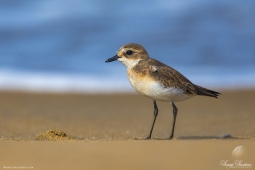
x=156 y=80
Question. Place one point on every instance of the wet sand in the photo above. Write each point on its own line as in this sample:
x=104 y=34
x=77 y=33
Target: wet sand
x=103 y=128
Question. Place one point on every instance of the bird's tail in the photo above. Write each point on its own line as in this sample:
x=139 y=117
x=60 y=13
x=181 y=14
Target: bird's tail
x=206 y=92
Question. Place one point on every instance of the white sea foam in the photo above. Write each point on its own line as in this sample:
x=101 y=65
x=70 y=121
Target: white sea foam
x=62 y=83
x=43 y=82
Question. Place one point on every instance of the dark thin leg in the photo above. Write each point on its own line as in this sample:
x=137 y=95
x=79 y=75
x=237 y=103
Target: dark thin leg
x=175 y=110
x=155 y=116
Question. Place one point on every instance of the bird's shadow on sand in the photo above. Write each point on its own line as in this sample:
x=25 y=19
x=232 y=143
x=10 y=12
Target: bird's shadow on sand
x=226 y=137
x=207 y=137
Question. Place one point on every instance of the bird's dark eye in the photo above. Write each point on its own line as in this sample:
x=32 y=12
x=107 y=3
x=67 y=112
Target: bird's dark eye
x=129 y=52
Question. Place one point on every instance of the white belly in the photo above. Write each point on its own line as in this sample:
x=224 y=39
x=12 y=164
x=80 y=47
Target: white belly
x=156 y=90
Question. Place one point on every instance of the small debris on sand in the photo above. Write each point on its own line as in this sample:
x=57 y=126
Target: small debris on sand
x=55 y=135
x=226 y=136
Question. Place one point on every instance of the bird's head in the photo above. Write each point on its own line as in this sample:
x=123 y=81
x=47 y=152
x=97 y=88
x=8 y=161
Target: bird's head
x=130 y=55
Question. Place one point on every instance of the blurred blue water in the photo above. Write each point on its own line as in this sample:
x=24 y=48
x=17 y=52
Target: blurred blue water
x=61 y=45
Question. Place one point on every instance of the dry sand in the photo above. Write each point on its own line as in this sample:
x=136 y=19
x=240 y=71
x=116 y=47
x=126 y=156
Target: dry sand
x=98 y=131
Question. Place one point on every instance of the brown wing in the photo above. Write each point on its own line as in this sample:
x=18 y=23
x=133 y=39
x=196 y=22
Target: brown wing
x=172 y=78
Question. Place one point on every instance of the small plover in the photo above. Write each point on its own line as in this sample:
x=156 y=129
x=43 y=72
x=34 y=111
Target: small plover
x=156 y=80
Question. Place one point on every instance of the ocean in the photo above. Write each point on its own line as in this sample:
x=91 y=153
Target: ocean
x=62 y=45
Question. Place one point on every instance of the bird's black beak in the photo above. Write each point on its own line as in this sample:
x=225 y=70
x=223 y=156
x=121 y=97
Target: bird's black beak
x=112 y=59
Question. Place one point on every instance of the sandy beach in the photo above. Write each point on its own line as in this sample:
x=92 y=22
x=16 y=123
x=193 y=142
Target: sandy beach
x=103 y=127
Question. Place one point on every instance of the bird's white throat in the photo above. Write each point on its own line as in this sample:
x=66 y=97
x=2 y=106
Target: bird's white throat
x=129 y=63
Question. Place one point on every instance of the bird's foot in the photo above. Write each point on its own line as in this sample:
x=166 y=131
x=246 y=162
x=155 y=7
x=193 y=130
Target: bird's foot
x=170 y=138
x=147 y=138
